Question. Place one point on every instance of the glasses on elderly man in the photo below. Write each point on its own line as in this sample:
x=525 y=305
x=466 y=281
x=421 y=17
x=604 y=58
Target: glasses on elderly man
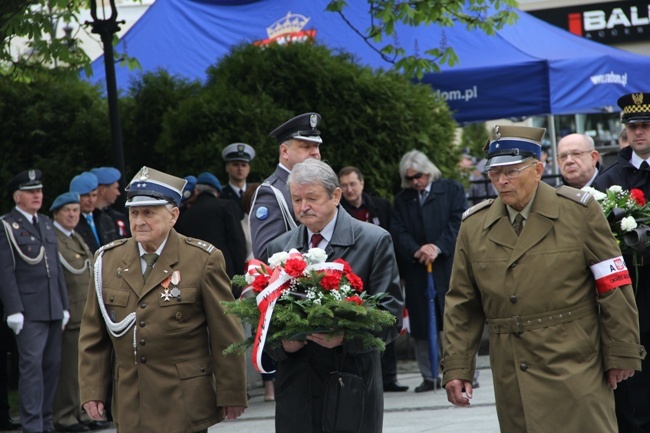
x=573 y=154
x=415 y=176
x=509 y=173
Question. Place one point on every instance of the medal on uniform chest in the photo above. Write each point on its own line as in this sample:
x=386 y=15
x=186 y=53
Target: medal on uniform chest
x=174 y=292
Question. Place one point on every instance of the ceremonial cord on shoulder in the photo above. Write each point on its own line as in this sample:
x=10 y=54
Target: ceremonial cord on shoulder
x=10 y=237
x=72 y=269
x=116 y=329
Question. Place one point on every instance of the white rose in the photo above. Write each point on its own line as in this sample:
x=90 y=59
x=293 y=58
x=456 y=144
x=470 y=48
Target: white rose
x=599 y=196
x=628 y=224
x=615 y=189
x=316 y=255
x=249 y=278
x=278 y=259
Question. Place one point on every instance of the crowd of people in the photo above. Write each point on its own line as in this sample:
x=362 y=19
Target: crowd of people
x=119 y=317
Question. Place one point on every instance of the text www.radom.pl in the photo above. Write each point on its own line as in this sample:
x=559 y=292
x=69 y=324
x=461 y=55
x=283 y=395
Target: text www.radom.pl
x=459 y=95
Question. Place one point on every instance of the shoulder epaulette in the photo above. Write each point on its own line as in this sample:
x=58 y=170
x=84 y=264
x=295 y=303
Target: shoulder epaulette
x=574 y=194
x=205 y=246
x=477 y=207
x=110 y=245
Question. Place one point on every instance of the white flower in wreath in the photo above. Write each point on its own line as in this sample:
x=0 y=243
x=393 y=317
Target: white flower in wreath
x=278 y=259
x=599 y=196
x=628 y=224
x=316 y=255
x=616 y=189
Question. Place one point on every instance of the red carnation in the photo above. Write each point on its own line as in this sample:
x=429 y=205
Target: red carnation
x=331 y=280
x=260 y=282
x=295 y=267
x=346 y=266
x=637 y=196
x=355 y=281
x=356 y=299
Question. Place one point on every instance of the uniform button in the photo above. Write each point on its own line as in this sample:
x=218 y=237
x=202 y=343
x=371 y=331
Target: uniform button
x=143 y=342
x=523 y=366
x=514 y=265
x=202 y=369
x=513 y=299
x=179 y=316
x=143 y=305
x=142 y=323
x=143 y=360
x=112 y=298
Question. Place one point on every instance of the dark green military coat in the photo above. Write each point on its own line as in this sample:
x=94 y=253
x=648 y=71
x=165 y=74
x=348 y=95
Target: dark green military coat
x=176 y=378
x=552 y=336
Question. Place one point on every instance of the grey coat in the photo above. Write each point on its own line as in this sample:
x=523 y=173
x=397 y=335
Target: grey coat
x=300 y=376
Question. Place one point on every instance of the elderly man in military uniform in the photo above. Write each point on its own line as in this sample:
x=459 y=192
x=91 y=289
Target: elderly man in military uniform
x=156 y=303
x=238 y=157
x=272 y=211
x=32 y=289
x=631 y=170
x=542 y=267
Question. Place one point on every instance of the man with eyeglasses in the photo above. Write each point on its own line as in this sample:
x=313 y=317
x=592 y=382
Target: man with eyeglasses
x=630 y=170
x=425 y=223
x=542 y=269
x=578 y=160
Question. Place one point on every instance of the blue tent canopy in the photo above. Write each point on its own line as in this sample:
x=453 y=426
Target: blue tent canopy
x=529 y=68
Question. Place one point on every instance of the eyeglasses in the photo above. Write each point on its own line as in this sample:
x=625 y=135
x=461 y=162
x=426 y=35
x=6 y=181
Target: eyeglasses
x=574 y=155
x=510 y=173
x=415 y=176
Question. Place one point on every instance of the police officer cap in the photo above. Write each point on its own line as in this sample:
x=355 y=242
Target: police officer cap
x=636 y=107
x=63 y=199
x=207 y=178
x=188 y=190
x=84 y=183
x=26 y=180
x=238 y=152
x=150 y=187
x=511 y=144
x=106 y=175
x=302 y=127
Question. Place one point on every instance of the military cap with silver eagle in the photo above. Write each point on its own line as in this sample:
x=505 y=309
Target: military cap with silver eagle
x=151 y=187
x=302 y=127
x=26 y=180
x=238 y=152
x=511 y=144
x=635 y=106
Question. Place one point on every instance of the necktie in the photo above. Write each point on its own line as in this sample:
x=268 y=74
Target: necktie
x=35 y=221
x=518 y=225
x=91 y=223
x=149 y=259
x=241 y=193
x=644 y=165
x=423 y=196
x=315 y=240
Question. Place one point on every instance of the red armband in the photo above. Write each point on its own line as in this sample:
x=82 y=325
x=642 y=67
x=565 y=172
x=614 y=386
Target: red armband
x=610 y=274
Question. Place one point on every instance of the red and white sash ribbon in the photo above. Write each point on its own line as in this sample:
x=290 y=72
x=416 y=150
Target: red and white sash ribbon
x=610 y=274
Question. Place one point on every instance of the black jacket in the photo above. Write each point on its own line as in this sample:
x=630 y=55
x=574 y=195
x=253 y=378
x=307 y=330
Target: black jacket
x=106 y=230
x=380 y=210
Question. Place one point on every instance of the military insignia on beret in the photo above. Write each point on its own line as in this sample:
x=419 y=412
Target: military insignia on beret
x=145 y=173
x=637 y=98
x=262 y=213
x=313 y=120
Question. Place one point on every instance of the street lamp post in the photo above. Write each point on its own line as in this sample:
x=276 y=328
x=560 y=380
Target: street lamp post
x=106 y=26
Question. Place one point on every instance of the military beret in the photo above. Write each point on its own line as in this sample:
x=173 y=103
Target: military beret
x=26 y=180
x=511 y=144
x=84 y=183
x=238 y=152
x=106 y=175
x=63 y=199
x=210 y=179
x=150 y=187
x=302 y=127
x=188 y=190
x=635 y=106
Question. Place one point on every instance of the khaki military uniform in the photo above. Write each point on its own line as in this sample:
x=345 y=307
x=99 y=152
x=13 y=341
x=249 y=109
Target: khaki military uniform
x=552 y=337
x=170 y=375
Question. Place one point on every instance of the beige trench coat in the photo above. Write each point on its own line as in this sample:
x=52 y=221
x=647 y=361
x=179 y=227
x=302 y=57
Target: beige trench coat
x=178 y=380
x=549 y=373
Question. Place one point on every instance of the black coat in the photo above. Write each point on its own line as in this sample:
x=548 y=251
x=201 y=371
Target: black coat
x=624 y=174
x=380 y=210
x=228 y=193
x=106 y=230
x=437 y=221
x=217 y=221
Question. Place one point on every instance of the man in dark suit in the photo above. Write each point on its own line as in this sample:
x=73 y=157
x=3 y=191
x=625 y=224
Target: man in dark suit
x=32 y=289
x=303 y=366
x=272 y=211
x=217 y=221
x=424 y=227
x=377 y=211
x=108 y=191
x=238 y=157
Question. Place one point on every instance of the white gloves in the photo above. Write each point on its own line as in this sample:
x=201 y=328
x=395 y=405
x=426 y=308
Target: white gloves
x=15 y=322
x=66 y=318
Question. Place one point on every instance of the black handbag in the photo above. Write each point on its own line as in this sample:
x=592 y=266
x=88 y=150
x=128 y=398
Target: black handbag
x=343 y=403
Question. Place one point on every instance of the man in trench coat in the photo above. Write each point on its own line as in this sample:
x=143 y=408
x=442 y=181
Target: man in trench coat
x=557 y=299
x=303 y=366
x=163 y=319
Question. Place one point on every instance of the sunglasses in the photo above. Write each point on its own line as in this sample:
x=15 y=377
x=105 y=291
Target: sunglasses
x=415 y=176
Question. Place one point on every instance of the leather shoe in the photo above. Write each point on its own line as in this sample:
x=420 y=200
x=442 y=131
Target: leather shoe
x=394 y=387
x=99 y=425
x=428 y=385
x=73 y=428
x=9 y=424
